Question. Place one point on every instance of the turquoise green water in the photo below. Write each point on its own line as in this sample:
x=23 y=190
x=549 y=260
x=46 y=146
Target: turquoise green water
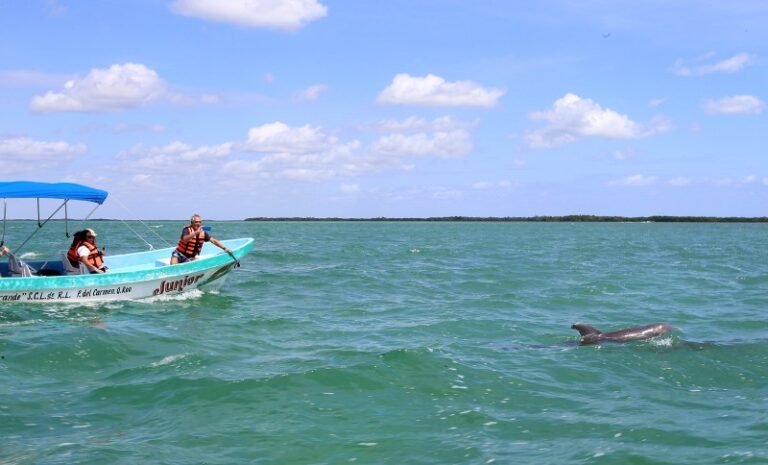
x=408 y=343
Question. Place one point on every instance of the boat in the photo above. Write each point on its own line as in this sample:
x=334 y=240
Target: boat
x=131 y=276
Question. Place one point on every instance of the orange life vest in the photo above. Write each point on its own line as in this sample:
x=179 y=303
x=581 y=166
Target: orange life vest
x=94 y=258
x=192 y=247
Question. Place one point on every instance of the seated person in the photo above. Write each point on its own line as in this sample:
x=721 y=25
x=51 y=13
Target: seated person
x=84 y=250
x=16 y=267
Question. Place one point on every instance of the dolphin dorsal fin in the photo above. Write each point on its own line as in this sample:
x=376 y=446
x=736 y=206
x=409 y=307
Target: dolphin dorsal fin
x=585 y=329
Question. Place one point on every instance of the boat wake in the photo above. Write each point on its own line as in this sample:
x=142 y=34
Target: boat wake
x=192 y=294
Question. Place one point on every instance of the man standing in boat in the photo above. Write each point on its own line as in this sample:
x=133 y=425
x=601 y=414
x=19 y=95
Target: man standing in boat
x=191 y=241
x=84 y=250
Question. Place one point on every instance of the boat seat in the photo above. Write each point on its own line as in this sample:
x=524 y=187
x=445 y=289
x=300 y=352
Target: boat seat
x=18 y=267
x=69 y=269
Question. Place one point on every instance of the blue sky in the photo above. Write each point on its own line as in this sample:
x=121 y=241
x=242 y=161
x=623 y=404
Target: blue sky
x=341 y=108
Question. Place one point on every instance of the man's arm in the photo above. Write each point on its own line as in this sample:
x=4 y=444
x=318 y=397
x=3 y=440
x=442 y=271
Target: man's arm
x=220 y=245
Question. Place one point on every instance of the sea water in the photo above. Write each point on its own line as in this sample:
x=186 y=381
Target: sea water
x=405 y=343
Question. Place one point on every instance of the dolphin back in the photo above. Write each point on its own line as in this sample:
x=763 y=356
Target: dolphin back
x=638 y=333
x=592 y=335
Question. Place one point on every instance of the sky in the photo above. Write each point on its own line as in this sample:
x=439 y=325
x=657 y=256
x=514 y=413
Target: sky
x=400 y=108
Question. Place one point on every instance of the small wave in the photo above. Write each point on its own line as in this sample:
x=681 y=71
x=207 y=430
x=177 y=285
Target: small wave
x=168 y=360
x=10 y=324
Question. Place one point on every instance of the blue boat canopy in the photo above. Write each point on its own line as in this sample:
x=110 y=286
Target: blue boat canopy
x=48 y=190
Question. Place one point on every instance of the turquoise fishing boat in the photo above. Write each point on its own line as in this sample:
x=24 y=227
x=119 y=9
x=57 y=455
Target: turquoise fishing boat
x=131 y=276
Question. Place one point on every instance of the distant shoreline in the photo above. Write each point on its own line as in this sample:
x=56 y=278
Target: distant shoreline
x=481 y=219
x=543 y=219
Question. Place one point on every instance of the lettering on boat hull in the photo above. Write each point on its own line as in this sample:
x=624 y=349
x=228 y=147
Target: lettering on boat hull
x=177 y=285
x=40 y=296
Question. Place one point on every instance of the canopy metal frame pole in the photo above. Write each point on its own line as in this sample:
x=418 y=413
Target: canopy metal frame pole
x=5 y=212
x=40 y=225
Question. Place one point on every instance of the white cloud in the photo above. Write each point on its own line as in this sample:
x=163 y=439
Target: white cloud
x=117 y=88
x=738 y=104
x=276 y=151
x=443 y=137
x=312 y=93
x=210 y=99
x=271 y=151
x=350 y=188
x=126 y=128
x=280 y=138
x=735 y=182
x=416 y=124
x=619 y=155
x=433 y=90
x=444 y=193
x=22 y=154
x=181 y=99
x=489 y=185
x=54 y=8
x=724 y=182
x=729 y=65
x=680 y=181
x=176 y=157
x=339 y=162
x=637 y=180
x=451 y=144
x=271 y=14
x=298 y=153
x=572 y=117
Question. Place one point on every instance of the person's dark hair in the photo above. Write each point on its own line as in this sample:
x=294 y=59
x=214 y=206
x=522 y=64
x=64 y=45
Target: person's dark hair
x=79 y=236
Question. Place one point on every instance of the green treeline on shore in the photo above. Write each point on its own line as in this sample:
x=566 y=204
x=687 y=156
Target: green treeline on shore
x=545 y=219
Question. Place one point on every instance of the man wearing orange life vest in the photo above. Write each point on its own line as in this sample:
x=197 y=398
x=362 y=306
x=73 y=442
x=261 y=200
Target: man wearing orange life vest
x=191 y=241
x=84 y=251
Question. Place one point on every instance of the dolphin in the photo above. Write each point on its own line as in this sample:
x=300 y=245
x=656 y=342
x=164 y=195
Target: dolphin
x=592 y=335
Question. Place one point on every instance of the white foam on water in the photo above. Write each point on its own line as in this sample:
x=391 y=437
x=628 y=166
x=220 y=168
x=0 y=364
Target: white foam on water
x=192 y=294
x=663 y=341
x=169 y=359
